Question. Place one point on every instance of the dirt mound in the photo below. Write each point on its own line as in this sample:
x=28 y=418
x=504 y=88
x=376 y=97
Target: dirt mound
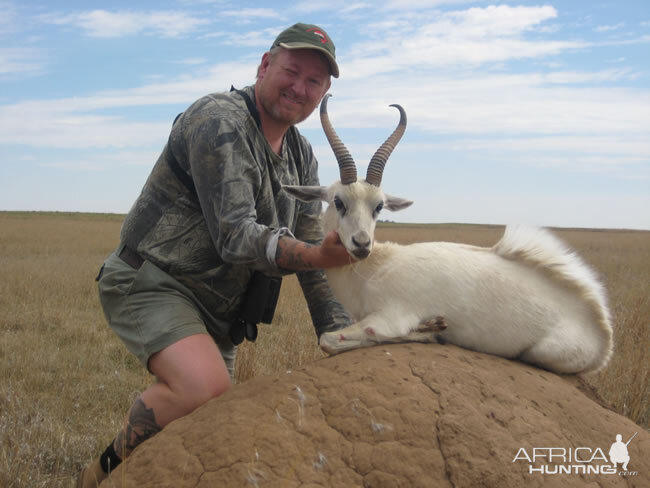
x=402 y=415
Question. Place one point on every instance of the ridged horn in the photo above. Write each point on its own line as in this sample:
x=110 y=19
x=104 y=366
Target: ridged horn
x=347 y=167
x=378 y=161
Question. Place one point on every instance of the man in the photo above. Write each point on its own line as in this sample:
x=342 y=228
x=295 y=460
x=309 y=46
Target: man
x=211 y=213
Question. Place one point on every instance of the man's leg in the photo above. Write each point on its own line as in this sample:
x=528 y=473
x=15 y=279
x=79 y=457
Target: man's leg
x=189 y=372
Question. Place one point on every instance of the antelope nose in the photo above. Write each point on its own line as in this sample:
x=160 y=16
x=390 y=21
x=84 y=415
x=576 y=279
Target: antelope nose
x=361 y=242
x=362 y=239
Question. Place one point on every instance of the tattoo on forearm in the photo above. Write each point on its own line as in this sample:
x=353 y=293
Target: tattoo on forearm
x=140 y=426
x=291 y=254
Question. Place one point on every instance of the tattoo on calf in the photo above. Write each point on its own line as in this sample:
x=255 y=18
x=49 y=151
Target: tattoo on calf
x=141 y=425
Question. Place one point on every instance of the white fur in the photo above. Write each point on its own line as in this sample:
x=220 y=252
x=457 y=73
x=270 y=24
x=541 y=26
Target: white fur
x=528 y=297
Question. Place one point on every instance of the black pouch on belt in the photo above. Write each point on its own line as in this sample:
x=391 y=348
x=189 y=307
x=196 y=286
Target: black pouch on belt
x=257 y=306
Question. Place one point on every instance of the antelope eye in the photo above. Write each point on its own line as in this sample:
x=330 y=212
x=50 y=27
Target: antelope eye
x=338 y=204
x=379 y=207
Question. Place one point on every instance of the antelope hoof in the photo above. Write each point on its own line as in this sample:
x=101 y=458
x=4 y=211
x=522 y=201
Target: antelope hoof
x=336 y=342
x=435 y=324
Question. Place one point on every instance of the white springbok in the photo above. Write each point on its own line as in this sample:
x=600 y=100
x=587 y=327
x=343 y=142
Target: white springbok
x=528 y=297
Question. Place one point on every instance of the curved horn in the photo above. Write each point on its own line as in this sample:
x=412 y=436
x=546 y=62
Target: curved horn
x=346 y=164
x=378 y=161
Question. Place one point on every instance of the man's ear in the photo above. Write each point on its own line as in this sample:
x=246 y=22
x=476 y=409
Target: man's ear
x=396 y=203
x=306 y=193
x=264 y=64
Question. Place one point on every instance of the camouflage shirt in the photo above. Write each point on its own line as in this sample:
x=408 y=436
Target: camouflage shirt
x=212 y=237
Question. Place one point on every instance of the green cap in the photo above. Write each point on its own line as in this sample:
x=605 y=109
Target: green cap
x=308 y=36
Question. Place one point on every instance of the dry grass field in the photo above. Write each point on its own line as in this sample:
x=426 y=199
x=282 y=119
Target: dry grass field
x=66 y=381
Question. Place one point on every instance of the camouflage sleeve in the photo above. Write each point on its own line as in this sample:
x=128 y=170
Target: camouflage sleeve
x=326 y=312
x=228 y=178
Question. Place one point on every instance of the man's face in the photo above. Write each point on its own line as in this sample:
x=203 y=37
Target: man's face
x=291 y=84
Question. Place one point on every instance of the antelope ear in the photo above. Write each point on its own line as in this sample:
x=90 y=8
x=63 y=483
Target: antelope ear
x=396 y=203
x=307 y=193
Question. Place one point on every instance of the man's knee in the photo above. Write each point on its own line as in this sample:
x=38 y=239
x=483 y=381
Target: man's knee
x=205 y=389
x=193 y=371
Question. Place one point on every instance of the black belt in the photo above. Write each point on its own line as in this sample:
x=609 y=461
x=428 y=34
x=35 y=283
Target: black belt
x=132 y=258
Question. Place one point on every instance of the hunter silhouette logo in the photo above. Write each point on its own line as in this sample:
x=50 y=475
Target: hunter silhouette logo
x=319 y=33
x=618 y=451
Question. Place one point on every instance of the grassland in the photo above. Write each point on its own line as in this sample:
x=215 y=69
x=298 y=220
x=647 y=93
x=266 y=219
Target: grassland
x=66 y=381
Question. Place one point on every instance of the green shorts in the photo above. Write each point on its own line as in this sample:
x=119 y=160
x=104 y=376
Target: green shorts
x=150 y=310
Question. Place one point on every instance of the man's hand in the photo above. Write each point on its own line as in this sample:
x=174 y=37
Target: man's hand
x=299 y=256
x=332 y=250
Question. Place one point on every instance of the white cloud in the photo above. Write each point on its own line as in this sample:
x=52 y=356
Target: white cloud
x=101 y=162
x=626 y=146
x=548 y=29
x=8 y=18
x=526 y=111
x=494 y=21
x=252 y=13
x=74 y=130
x=429 y=67
x=396 y=7
x=608 y=28
x=420 y=4
x=80 y=122
x=301 y=7
x=483 y=103
x=105 y=24
x=574 y=77
x=454 y=39
x=193 y=61
x=21 y=61
x=257 y=38
x=353 y=7
x=204 y=2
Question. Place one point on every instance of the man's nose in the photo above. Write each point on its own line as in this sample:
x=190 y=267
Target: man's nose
x=299 y=86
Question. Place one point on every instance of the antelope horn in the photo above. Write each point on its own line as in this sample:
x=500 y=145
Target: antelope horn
x=346 y=164
x=378 y=161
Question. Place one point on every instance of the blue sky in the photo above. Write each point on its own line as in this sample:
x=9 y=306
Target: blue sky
x=519 y=112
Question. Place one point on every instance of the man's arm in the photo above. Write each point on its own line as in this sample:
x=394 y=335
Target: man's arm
x=226 y=166
x=296 y=255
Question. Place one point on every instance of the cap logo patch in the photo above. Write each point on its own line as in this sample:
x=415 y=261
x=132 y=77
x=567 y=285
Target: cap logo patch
x=319 y=33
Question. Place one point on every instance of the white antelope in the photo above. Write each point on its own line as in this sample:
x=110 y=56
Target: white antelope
x=528 y=297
